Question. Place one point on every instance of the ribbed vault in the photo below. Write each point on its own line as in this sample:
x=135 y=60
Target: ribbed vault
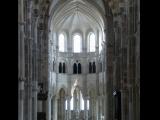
x=76 y=14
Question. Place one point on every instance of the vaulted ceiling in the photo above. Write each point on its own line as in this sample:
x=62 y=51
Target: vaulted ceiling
x=77 y=15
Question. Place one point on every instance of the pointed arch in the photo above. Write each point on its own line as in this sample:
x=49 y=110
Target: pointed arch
x=62 y=92
x=94 y=67
x=92 y=42
x=61 y=104
x=77 y=43
x=64 y=68
x=79 y=68
x=90 y=67
x=61 y=42
x=60 y=67
x=74 y=68
x=77 y=101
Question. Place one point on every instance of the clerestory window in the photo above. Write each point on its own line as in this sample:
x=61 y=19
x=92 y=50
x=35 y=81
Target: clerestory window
x=61 y=43
x=92 y=42
x=77 y=43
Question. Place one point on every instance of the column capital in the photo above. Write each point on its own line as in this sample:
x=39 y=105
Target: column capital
x=68 y=97
x=21 y=79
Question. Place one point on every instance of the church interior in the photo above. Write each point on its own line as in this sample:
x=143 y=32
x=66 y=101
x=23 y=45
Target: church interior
x=78 y=59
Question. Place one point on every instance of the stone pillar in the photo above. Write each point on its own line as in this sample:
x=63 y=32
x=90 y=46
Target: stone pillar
x=92 y=108
x=28 y=105
x=63 y=108
x=21 y=60
x=30 y=101
x=58 y=110
x=85 y=107
x=21 y=100
x=131 y=77
x=103 y=104
x=99 y=108
x=55 y=109
x=30 y=40
x=68 y=108
x=51 y=114
x=85 y=43
x=21 y=45
x=124 y=99
x=109 y=64
x=39 y=106
x=35 y=90
x=48 y=108
x=97 y=42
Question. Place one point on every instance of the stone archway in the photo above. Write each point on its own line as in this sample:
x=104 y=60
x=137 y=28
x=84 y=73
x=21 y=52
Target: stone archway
x=61 y=105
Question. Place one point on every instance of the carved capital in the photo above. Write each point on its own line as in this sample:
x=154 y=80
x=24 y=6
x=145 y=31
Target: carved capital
x=21 y=79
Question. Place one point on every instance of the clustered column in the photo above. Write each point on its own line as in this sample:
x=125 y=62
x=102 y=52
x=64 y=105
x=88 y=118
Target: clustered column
x=68 y=108
x=21 y=99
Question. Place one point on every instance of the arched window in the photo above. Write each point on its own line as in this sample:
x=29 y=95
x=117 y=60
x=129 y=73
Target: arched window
x=94 y=67
x=66 y=105
x=71 y=103
x=74 y=68
x=64 y=70
x=90 y=67
x=79 y=68
x=61 y=104
x=81 y=101
x=77 y=101
x=61 y=43
x=92 y=42
x=77 y=43
x=87 y=104
x=60 y=67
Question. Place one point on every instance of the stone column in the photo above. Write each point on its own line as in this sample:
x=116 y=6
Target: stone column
x=99 y=108
x=31 y=100
x=85 y=43
x=30 y=40
x=68 y=108
x=35 y=90
x=85 y=107
x=103 y=107
x=48 y=108
x=97 y=42
x=21 y=60
x=124 y=99
x=39 y=106
x=51 y=114
x=21 y=99
x=55 y=109
x=58 y=109
x=28 y=100
x=75 y=100
x=92 y=107
x=109 y=61
x=63 y=108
